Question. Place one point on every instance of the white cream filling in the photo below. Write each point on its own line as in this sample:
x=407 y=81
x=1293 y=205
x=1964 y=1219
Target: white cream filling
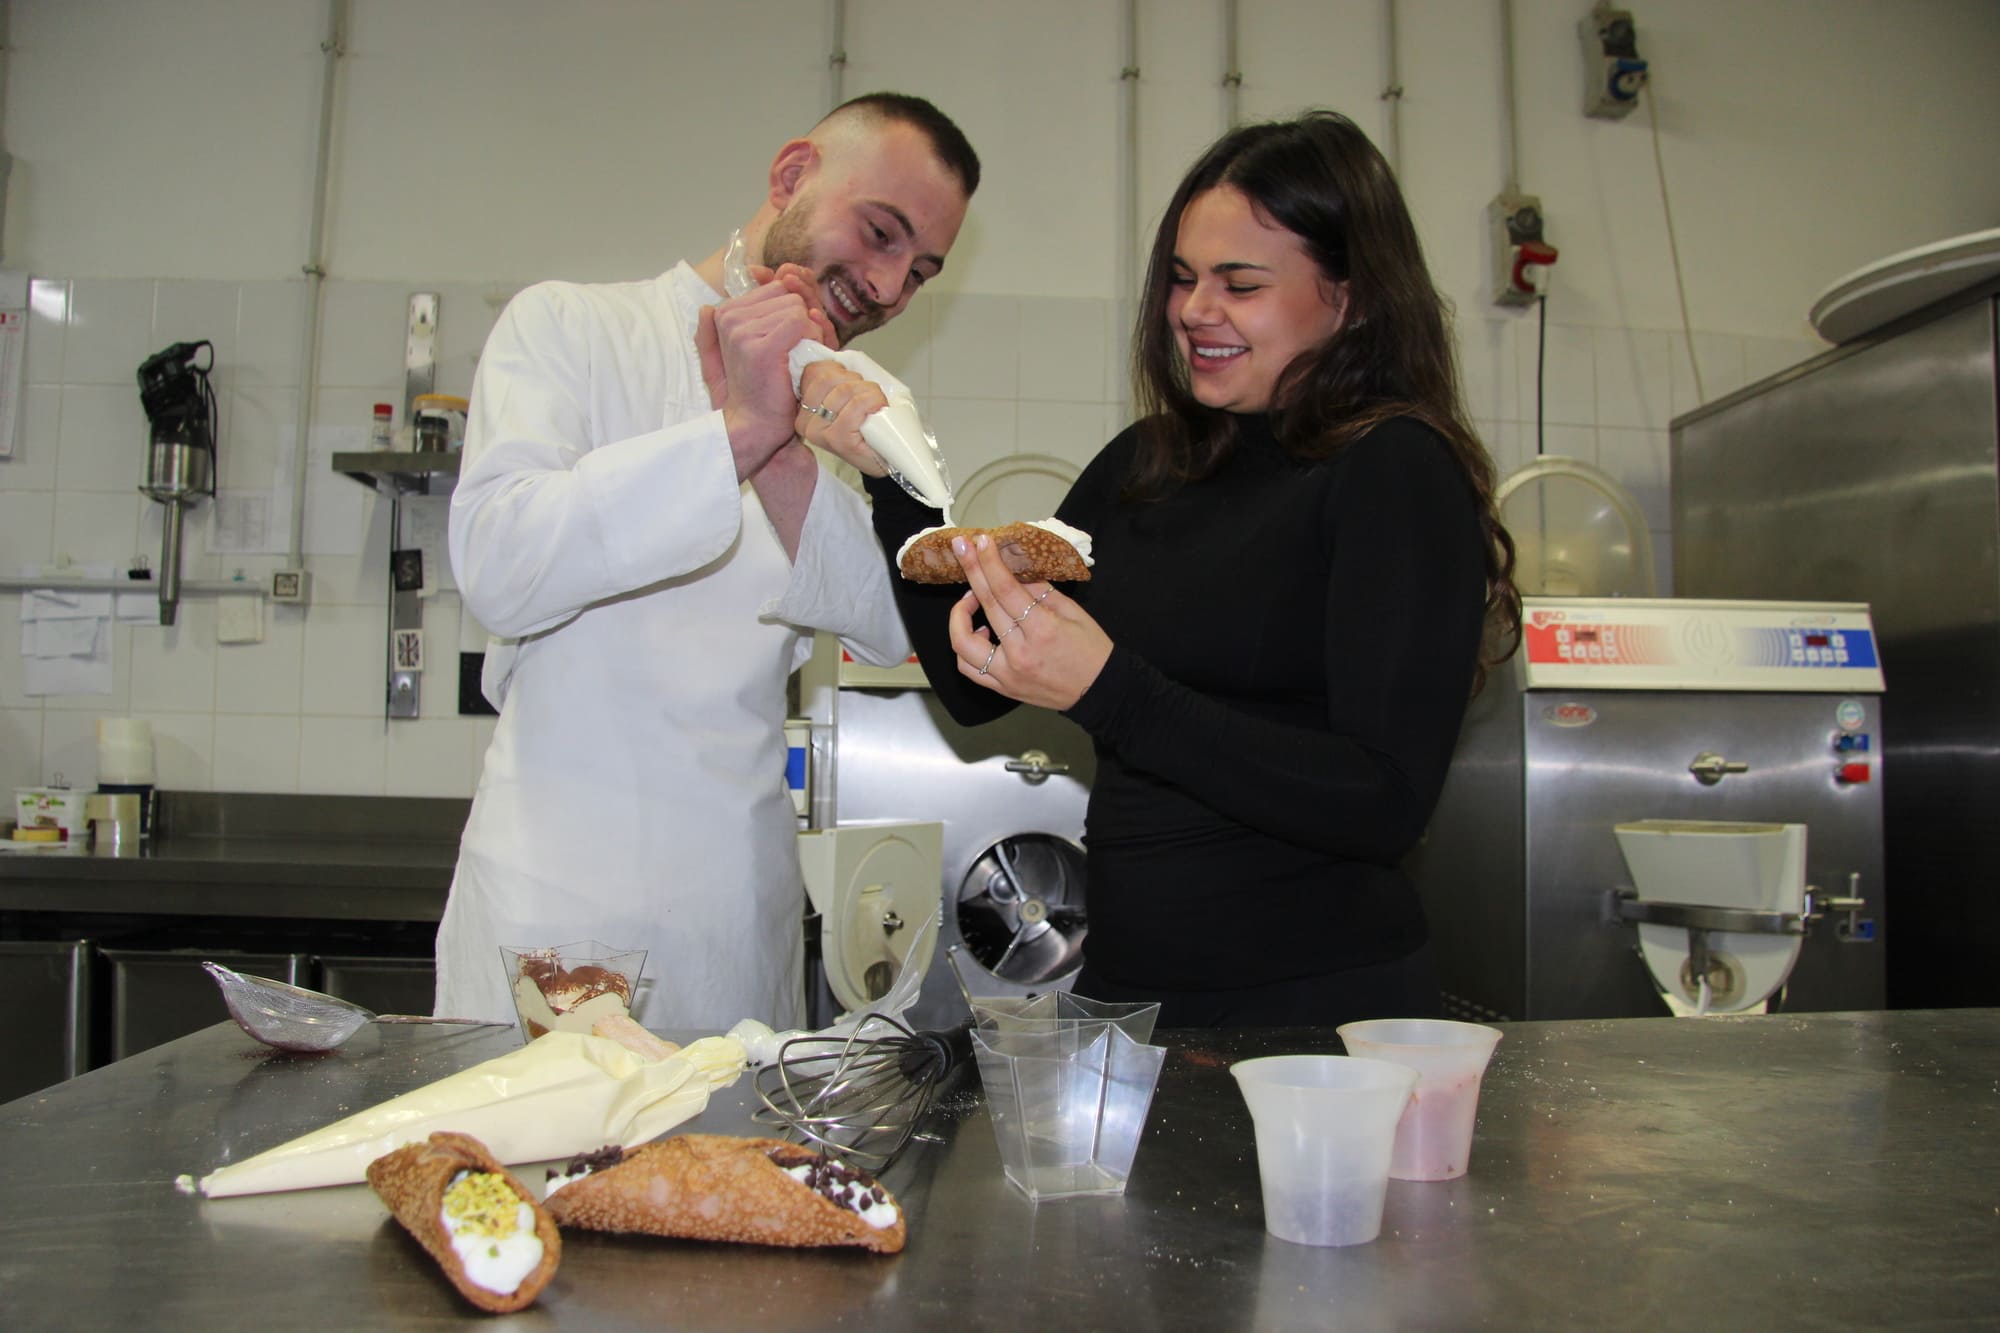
x=1076 y=537
x=557 y=1182
x=856 y=1200
x=499 y=1264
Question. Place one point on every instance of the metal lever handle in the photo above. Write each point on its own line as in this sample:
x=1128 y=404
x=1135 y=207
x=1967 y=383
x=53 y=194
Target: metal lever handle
x=1036 y=766
x=1709 y=768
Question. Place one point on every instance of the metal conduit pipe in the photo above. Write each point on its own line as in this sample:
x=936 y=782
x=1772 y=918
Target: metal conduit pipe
x=1129 y=247
x=331 y=50
x=836 y=57
x=1232 y=71
x=1507 y=109
x=1392 y=91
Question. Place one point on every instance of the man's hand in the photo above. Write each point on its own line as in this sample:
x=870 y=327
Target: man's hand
x=833 y=402
x=744 y=344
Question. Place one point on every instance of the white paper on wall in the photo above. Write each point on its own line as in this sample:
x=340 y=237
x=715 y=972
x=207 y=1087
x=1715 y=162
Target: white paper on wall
x=243 y=525
x=13 y=353
x=66 y=638
x=425 y=519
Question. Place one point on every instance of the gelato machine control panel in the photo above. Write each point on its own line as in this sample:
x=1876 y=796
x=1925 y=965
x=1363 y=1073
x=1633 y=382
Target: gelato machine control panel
x=1653 y=644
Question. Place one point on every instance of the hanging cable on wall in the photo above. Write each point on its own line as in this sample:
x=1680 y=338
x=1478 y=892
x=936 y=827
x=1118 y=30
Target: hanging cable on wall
x=1673 y=245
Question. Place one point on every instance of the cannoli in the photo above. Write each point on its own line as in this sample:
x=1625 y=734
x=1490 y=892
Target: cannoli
x=484 y=1228
x=1044 y=551
x=719 y=1187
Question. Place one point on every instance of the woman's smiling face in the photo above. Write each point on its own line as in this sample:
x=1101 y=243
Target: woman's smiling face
x=1246 y=300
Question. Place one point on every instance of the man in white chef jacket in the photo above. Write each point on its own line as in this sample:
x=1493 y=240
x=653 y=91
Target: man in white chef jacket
x=638 y=524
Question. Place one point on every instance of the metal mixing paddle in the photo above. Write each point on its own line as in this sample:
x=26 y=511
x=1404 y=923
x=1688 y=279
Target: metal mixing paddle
x=293 y=1018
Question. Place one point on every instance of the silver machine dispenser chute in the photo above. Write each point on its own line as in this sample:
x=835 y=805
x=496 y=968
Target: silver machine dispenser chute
x=180 y=458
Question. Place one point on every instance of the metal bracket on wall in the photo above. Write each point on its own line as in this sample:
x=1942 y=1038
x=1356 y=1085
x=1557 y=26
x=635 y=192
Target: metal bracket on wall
x=420 y=353
x=404 y=697
x=406 y=626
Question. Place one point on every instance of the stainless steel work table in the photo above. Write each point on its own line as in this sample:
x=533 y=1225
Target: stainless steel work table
x=1791 y=1171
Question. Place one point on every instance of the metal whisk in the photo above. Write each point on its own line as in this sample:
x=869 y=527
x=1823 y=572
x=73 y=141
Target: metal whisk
x=859 y=1097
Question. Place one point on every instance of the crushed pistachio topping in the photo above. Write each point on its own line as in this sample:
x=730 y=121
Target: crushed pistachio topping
x=479 y=1203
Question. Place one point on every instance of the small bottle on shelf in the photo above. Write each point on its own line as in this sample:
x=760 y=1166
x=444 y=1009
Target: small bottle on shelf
x=378 y=437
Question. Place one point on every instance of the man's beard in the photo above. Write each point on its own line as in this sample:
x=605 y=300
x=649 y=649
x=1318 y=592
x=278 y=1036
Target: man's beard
x=789 y=242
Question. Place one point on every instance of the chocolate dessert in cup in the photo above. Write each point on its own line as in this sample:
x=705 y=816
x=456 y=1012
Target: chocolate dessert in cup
x=569 y=987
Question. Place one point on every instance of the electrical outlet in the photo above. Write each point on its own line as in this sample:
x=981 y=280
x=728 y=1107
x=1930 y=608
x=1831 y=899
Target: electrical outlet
x=1613 y=73
x=1521 y=253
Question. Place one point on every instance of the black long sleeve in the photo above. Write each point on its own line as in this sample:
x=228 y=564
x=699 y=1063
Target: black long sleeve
x=1293 y=647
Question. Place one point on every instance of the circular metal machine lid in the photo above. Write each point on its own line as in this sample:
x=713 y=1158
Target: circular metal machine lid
x=1893 y=287
x=1021 y=909
x=883 y=911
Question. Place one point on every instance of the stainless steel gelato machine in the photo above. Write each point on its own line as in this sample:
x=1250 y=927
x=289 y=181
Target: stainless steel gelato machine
x=1665 y=805
x=892 y=777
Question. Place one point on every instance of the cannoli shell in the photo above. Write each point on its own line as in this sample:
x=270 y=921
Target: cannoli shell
x=1036 y=555
x=412 y=1181
x=717 y=1187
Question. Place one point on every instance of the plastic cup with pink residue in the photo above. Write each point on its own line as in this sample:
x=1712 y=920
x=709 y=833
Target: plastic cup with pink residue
x=1434 y=1137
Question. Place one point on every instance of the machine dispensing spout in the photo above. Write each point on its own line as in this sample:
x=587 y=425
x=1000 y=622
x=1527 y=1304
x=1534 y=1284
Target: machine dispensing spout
x=180 y=459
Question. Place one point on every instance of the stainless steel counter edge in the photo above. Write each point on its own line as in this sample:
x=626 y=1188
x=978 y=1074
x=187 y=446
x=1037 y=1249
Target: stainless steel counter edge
x=1797 y=1170
x=335 y=879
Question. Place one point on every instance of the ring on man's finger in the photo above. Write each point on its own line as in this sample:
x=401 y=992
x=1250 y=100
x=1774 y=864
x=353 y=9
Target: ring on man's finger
x=819 y=411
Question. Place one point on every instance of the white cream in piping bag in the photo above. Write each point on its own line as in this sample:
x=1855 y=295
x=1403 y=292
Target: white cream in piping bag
x=1076 y=537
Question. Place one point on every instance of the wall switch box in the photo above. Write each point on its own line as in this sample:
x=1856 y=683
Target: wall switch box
x=1613 y=72
x=240 y=620
x=290 y=586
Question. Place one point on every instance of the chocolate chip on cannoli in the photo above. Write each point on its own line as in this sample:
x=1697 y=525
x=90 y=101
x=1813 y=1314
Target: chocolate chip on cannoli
x=1045 y=551
x=482 y=1225
x=719 y=1187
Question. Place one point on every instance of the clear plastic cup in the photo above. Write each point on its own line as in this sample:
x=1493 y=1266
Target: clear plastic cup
x=1325 y=1128
x=1055 y=1010
x=1434 y=1140
x=568 y=987
x=1068 y=1104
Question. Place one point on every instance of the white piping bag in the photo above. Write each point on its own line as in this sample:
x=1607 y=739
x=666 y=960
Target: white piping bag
x=896 y=433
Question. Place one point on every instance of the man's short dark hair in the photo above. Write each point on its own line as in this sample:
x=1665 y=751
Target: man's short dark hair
x=946 y=139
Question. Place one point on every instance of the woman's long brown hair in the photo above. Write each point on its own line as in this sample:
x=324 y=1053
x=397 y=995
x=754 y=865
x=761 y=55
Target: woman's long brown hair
x=1320 y=178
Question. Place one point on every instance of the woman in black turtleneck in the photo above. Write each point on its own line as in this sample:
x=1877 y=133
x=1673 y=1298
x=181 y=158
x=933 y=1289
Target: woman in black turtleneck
x=1299 y=571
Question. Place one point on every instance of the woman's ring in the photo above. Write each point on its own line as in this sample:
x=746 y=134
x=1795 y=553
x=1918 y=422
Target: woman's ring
x=1024 y=615
x=989 y=659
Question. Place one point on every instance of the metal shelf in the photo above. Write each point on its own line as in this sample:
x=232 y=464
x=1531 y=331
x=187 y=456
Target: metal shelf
x=394 y=472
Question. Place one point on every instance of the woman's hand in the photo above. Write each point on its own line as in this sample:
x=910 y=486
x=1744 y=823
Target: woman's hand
x=1047 y=651
x=833 y=402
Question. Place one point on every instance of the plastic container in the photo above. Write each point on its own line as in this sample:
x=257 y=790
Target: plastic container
x=380 y=436
x=568 y=987
x=1054 y=1011
x=1326 y=1125
x=1068 y=1104
x=1434 y=1137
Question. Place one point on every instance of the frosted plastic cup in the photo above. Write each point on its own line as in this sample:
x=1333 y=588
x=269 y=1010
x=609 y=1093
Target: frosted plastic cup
x=1434 y=1140
x=1325 y=1128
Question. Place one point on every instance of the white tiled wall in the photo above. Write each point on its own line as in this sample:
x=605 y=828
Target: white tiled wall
x=302 y=710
